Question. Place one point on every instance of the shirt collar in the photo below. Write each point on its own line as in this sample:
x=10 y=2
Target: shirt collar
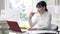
x=43 y=14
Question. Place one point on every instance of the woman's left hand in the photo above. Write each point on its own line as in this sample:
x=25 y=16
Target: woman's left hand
x=33 y=29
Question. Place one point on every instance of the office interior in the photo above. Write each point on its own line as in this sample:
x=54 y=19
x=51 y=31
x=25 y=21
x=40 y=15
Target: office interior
x=17 y=10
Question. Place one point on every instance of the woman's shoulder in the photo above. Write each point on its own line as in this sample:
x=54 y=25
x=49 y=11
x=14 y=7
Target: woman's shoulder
x=48 y=13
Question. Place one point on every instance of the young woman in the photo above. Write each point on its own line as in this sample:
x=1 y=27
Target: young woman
x=41 y=19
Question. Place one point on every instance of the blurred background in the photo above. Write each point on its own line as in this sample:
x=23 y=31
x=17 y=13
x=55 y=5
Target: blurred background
x=18 y=10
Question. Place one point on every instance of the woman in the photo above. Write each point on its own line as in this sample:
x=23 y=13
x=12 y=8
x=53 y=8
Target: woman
x=41 y=19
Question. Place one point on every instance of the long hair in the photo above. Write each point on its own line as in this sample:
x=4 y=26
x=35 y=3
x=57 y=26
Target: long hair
x=43 y=4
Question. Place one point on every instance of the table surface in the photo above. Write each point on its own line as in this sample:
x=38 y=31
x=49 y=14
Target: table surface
x=35 y=31
x=41 y=31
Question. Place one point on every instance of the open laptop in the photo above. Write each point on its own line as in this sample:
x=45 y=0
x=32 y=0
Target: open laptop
x=14 y=26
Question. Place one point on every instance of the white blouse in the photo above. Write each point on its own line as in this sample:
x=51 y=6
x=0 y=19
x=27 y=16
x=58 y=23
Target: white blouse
x=41 y=22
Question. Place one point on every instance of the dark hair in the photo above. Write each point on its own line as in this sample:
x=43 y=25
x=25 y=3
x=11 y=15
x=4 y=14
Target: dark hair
x=43 y=4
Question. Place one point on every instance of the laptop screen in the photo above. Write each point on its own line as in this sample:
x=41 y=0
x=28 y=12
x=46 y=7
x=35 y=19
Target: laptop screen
x=14 y=26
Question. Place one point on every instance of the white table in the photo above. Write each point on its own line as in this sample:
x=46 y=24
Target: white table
x=40 y=31
x=14 y=32
x=34 y=32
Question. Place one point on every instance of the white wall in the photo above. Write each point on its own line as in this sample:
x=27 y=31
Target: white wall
x=1 y=4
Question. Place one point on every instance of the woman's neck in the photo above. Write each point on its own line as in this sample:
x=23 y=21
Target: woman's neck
x=41 y=12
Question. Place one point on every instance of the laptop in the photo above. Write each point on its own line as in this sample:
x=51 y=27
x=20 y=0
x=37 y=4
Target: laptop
x=14 y=26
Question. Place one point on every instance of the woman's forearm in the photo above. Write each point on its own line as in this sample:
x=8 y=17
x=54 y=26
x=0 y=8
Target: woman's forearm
x=30 y=22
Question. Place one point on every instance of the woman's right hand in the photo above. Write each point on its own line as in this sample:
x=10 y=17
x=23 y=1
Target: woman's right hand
x=31 y=14
x=33 y=29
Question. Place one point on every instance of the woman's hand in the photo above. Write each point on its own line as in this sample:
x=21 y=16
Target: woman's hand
x=32 y=29
x=31 y=14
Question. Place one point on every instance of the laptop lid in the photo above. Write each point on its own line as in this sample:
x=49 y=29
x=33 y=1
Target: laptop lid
x=14 y=26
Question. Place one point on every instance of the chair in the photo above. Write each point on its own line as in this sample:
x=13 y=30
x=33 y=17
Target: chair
x=54 y=27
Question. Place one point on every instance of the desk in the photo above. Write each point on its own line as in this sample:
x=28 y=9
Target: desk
x=14 y=32
x=33 y=32
x=41 y=31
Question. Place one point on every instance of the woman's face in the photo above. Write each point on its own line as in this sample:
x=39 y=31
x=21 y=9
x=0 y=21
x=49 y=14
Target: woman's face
x=40 y=9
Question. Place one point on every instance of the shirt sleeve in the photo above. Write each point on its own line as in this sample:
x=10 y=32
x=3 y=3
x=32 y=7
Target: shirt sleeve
x=32 y=21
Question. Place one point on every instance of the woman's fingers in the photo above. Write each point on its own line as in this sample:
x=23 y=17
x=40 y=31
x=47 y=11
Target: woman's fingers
x=32 y=29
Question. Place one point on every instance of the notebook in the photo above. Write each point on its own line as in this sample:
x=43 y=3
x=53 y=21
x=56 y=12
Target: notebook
x=14 y=26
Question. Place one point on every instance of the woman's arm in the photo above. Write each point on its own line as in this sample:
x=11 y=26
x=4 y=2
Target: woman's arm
x=31 y=22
